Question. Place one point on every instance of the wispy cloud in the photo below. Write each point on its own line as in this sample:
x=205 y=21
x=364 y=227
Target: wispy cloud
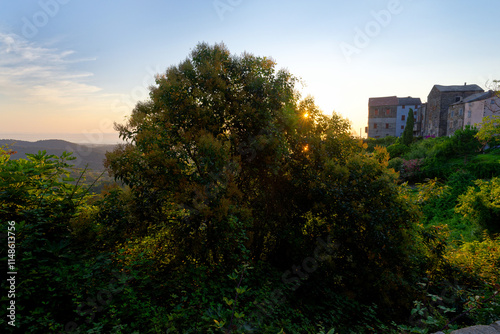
x=39 y=74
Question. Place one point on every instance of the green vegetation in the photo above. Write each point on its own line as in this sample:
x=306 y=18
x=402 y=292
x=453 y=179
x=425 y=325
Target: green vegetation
x=408 y=131
x=244 y=209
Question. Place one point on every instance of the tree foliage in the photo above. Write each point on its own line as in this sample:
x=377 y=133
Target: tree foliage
x=234 y=166
x=481 y=204
x=489 y=133
x=407 y=137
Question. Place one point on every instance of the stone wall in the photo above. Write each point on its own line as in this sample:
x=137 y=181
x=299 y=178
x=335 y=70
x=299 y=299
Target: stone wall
x=438 y=102
x=456 y=114
x=491 y=329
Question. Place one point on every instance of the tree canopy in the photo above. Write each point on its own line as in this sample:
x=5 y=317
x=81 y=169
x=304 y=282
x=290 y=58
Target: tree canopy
x=489 y=133
x=236 y=166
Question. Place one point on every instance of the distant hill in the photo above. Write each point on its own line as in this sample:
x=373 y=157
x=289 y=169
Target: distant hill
x=93 y=155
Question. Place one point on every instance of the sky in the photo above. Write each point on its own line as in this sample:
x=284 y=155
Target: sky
x=69 y=69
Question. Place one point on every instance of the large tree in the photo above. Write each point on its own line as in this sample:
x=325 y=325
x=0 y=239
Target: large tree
x=236 y=165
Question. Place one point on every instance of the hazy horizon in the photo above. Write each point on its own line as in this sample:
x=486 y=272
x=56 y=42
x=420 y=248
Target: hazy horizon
x=77 y=138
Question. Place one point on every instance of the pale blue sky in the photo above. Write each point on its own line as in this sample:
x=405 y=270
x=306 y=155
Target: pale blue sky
x=77 y=66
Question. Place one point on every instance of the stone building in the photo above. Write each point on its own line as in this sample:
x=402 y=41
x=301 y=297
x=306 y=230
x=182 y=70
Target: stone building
x=471 y=110
x=418 y=129
x=456 y=117
x=438 y=101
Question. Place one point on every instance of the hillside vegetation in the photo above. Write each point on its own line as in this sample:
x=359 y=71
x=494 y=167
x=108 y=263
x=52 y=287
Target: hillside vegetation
x=244 y=209
x=86 y=154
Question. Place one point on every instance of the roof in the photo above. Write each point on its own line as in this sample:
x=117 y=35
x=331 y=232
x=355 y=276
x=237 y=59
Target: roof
x=409 y=101
x=460 y=88
x=382 y=101
x=477 y=97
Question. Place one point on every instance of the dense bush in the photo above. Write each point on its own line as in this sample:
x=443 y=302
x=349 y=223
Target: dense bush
x=385 y=141
x=397 y=150
x=481 y=204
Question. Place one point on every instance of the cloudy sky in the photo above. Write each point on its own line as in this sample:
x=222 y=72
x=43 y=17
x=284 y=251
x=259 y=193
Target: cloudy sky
x=70 y=68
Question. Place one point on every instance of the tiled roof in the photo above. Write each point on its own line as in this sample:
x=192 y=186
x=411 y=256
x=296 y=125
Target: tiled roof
x=382 y=101
x=477 y=97
x=461 y=88
x=409 y=101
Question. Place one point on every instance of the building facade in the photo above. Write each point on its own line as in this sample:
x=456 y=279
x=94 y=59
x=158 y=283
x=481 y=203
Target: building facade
x=438 y=101
x=382 y=112
x=418 y=129
x=472 y=110
x=387 y=116
x=404 y=106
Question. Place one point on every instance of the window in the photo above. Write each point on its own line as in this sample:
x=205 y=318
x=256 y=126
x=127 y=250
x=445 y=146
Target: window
x=387 y=125
x=460 y=112
x=376 y=112
x=374 y=125
x=387 y=111
x=458 y=98
x=452 y=113
x=403 y=117
x=469 y=113
x=404 y=106
x=402 y=127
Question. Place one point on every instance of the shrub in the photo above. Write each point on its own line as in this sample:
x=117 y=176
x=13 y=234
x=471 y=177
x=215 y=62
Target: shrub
x=396 y=164
x=411 y=169
x=397 y=150
x=481 y=204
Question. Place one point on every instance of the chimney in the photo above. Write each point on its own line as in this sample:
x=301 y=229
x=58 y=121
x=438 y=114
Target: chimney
x=465 y=83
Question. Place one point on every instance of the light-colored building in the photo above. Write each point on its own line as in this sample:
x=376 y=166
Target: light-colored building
x=475 y=109
x=404 y=106
x=471 y=110
x=387 y=116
